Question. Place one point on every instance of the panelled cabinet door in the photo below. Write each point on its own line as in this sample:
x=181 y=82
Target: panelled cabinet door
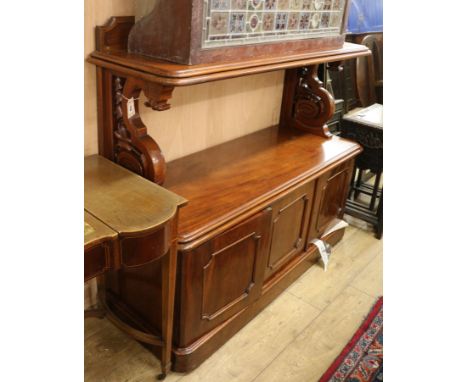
x=289 y=227
x=330 y=199
x=224 y=275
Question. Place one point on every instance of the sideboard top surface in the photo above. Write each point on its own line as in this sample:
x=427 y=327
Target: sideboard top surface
x=173 y=74
x=223 y=182
x=125 y=201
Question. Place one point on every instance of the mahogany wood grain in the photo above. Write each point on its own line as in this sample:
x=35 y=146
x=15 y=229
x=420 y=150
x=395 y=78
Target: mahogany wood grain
x=122 y=76
x=254 y=202
x=330 y=199
x=114 y=35
x=290 y=216
x=170 y=74
x=226 y=181
x=225 y=273
x=188 y=358
x=221 y=277
x=306 y=105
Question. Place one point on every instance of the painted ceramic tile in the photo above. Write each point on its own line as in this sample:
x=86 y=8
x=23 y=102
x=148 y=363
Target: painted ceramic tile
x=238 y=4
x=220 y=4
x=255 y=5
x=325 y=20
x=281 y=21
x=315 y=20
x=293 y=21
x=295 y=4
x=268 y=23
x=306 y=4
x=219 y=23
x=338 y=4
x=318 y=4
x=253 y=23
x=237 y=24
x=304 y=21
x=335 y=20
x=283 y=4
x=270 y=4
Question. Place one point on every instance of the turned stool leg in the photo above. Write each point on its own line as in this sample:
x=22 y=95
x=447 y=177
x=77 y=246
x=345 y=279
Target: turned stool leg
x=379 y=231
x=358 y=184
x=352 y=185
x=375 y=190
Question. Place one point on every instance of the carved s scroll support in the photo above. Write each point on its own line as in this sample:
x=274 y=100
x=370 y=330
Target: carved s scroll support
x=307 y=105
x=134 y=148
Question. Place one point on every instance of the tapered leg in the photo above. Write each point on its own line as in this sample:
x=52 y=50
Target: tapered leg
x=168 y=292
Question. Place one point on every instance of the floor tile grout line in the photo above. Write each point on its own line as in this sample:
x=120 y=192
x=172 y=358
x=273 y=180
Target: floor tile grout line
x=364 y=268
x=307 y=302
x=360 y=290
x=302 y=331
x=289 y=343
x=321 y=311
x=301 y=300
x=296 y=298
x=348 y=284
x=340 y=243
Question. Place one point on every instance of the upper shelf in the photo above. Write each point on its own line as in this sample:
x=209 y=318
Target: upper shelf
x=111 y=53
x=171 y=74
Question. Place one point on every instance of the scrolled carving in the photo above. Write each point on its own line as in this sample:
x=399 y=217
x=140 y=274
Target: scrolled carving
x=314 y=105
x=307 y=105
x=134 y=148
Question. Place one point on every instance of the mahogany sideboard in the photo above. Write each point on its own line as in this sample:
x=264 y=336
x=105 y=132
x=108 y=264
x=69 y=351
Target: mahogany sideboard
x=254 y=203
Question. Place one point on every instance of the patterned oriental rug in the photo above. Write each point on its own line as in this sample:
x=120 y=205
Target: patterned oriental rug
x=362 y=358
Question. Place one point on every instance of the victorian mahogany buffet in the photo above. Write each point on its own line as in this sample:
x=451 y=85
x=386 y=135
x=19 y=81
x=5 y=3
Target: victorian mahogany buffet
x=255 y=204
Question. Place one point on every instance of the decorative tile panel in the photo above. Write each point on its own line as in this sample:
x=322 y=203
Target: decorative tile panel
x=241 y=22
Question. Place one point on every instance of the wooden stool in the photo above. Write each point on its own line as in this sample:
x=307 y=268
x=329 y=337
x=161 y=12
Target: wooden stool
x=365 y=126
x=131 y=222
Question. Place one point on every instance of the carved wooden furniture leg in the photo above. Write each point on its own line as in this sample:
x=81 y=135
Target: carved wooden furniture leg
x=307 y=105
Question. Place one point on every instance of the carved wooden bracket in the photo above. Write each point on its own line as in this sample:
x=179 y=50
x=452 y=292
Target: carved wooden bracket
x=123 y=137
x=158 y=96
x=133 y=147
x=307 y=105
